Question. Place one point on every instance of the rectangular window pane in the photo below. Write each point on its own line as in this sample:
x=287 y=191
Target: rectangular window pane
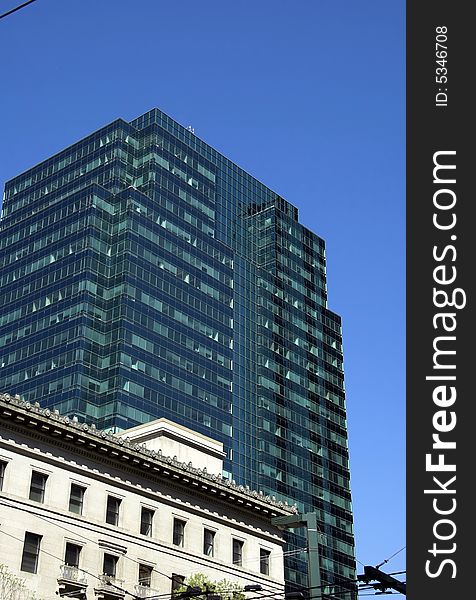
x=179 y=530
x=76 y=498
x=237 y=552
x=177 y=582
x=264 y=561
x=208 y=542
x=145 y=575
x=146 y=517
x=112 y=510
x=110 y=565
x=71 y=555
x=3 y=466
x=31 y=551
x=38 y=486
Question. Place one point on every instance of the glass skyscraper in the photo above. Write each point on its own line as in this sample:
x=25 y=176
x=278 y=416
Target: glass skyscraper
x=143 y=274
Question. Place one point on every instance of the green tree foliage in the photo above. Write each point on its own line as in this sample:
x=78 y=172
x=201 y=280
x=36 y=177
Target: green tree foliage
x=227 y=589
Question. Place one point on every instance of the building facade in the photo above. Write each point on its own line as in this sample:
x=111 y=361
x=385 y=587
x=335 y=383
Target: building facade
x=144 y=275
x=97 y=516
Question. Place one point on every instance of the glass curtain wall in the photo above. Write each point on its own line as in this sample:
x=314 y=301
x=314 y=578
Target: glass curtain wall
x=145 y=275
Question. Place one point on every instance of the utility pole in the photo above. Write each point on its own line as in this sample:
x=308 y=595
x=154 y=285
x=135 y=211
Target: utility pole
x=309 y=521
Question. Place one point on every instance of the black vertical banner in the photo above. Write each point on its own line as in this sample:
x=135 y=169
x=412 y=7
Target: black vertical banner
x=441 y=351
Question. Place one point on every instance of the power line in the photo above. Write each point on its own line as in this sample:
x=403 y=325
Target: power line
x=9 y=12
x=331 y=595
x=266 y=593
x=61 y=560
x=308 y=588
x=384 y=580
x=379 y=593
x=286 y=553
x=51 y=521
x=304 y=588
x=97 y=544
x=261 y=597
x=204 y=593
x=389 y=558
x=338 y=595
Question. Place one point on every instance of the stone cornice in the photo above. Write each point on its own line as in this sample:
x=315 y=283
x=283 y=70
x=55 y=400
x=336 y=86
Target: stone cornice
x=123 y=451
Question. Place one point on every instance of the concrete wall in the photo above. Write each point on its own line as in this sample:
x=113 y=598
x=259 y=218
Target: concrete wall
x=175 y=440
x=64 y=465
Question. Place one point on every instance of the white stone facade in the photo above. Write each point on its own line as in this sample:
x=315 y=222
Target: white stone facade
x=172 y=439
x=45 y=463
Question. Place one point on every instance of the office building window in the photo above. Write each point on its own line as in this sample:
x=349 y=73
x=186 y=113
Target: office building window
x=179 y=532
x=145 y=575
x=3 y=466
x=208 y=542
x=76 y=499
x=109 y=566
x=177 y=582
x=31 y=552
x=264 y=561
x=237 y=552
x=112 y=510
x=38 y=486
x=71 y=555
x=146 y=517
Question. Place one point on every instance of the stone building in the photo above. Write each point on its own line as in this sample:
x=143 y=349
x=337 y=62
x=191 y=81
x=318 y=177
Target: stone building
x=92 y=515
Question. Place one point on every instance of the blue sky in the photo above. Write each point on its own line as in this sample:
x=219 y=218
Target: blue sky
x=309 y=98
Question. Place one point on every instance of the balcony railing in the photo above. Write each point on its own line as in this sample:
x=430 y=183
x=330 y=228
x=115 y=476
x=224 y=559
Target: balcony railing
x=111 y=586
x=72 y=575
x=143 y=591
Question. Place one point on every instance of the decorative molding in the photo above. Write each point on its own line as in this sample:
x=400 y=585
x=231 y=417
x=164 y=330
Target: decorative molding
x=123 y=450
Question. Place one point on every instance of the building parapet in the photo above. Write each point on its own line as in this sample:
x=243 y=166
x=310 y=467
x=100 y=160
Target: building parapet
x=124 y=450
